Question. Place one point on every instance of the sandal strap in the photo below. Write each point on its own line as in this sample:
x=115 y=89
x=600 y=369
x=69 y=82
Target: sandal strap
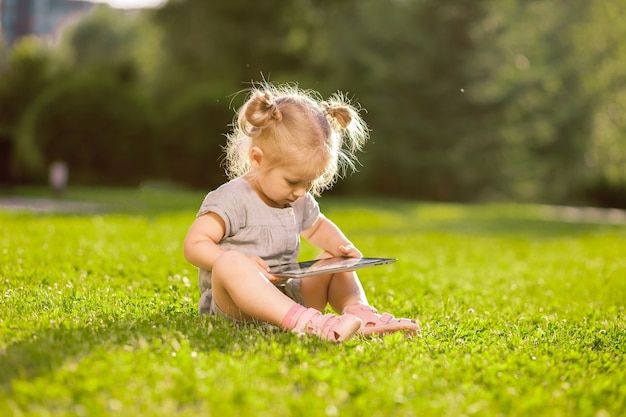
x=338 y=328
x=326 y=326
x=374 y=323
x=302 y=320
x=386 y=318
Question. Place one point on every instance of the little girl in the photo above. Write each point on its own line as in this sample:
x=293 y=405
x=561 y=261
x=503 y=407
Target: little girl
x=286 y=147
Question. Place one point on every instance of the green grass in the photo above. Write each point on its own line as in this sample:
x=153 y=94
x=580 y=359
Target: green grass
x=522 y=315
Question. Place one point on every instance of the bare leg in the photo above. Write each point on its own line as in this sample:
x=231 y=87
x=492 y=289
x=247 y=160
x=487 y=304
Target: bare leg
x=339 y=290
x=242 y=291
x=345 y=294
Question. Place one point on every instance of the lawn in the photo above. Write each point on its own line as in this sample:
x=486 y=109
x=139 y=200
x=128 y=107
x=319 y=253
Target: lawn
x=521 y=306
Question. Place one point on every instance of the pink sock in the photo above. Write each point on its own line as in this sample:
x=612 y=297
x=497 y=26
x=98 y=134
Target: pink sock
x=291 y=316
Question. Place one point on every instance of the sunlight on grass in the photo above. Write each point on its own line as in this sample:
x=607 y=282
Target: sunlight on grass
x=522 y=314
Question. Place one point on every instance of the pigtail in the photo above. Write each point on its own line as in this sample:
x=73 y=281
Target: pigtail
x=273 y=117
x=344 y=118
x=260 y=111
x=339 y=116
x=349 y=132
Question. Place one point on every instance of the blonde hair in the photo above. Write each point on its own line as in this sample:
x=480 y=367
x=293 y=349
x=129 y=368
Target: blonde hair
x=279 y=118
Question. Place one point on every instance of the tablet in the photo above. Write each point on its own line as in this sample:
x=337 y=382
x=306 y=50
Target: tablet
x=326 y=266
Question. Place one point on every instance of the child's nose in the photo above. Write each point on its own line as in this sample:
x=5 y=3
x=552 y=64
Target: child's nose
x=300 y=191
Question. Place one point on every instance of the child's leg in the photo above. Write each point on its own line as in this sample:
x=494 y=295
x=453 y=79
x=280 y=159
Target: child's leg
x=339 y=290
x=242 y=291
x=345 y=294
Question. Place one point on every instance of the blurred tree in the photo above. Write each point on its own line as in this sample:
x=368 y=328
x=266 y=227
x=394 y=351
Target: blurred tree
x=224 y=44
x=101 y=128
x=212 y=51
x=484 y=99
x=96 y=117
x=553 y=70
x=467 y=100
x=543 y=114
x=28 y=71
x=112 y=42
x=601 y=55
x=192 y=138
x=408 y=62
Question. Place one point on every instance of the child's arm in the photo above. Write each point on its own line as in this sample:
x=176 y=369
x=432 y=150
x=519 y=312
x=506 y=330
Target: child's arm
x=327 y=236
x=200 y=247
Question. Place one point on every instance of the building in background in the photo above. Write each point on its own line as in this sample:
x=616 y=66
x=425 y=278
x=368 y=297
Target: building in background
x=37 y=17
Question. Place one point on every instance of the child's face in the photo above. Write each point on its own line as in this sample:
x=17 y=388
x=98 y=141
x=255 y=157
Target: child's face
x=280 y=185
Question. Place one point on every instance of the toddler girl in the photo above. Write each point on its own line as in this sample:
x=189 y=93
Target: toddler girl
x=286 y=147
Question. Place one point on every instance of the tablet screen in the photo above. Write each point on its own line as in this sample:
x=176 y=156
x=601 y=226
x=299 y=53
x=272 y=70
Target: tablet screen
x=326 y=266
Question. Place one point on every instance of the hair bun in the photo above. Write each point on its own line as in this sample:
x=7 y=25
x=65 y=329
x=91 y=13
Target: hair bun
x=341 y=115
x=261 y=110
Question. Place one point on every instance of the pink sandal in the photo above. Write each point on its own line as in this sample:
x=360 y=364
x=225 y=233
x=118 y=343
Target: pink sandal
x=377 y=324
x=325 y=326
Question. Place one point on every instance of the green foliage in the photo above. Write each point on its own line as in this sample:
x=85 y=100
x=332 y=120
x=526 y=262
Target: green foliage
x=461 y=95
x=111 y=42
x=545 y=115
x=28 y=71
x=97 y=125
x=193 y=130
x=467 y=100
x=226 y=44
x=413 y=90
x=601 y=41
x=522 y=312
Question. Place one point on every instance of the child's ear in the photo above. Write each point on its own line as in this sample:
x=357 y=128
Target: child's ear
x=256 y=157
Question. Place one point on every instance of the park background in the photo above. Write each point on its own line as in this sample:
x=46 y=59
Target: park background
x=467 y=101
x=503 y=103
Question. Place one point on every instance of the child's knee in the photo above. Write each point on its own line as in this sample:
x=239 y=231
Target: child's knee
x=228 y=262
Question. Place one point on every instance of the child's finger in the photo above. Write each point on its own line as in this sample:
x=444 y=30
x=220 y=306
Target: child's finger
x=346 y=248
x=274 y=279
x=351 y=251
x=261 y=263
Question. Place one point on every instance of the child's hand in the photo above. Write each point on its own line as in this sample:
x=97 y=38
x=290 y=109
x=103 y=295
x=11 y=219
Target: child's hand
x=349 y=251
x=260 y=262
x=266 y=269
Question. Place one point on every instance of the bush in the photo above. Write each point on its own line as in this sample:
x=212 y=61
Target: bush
x=192 y=136
x=102 y=129
x=605 y=193
x=26 y=72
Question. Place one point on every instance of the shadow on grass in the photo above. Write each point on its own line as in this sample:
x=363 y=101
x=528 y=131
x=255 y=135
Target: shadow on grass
x=45 y=351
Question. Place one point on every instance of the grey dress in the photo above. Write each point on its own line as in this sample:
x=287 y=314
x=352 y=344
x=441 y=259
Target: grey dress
x=254 y=228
